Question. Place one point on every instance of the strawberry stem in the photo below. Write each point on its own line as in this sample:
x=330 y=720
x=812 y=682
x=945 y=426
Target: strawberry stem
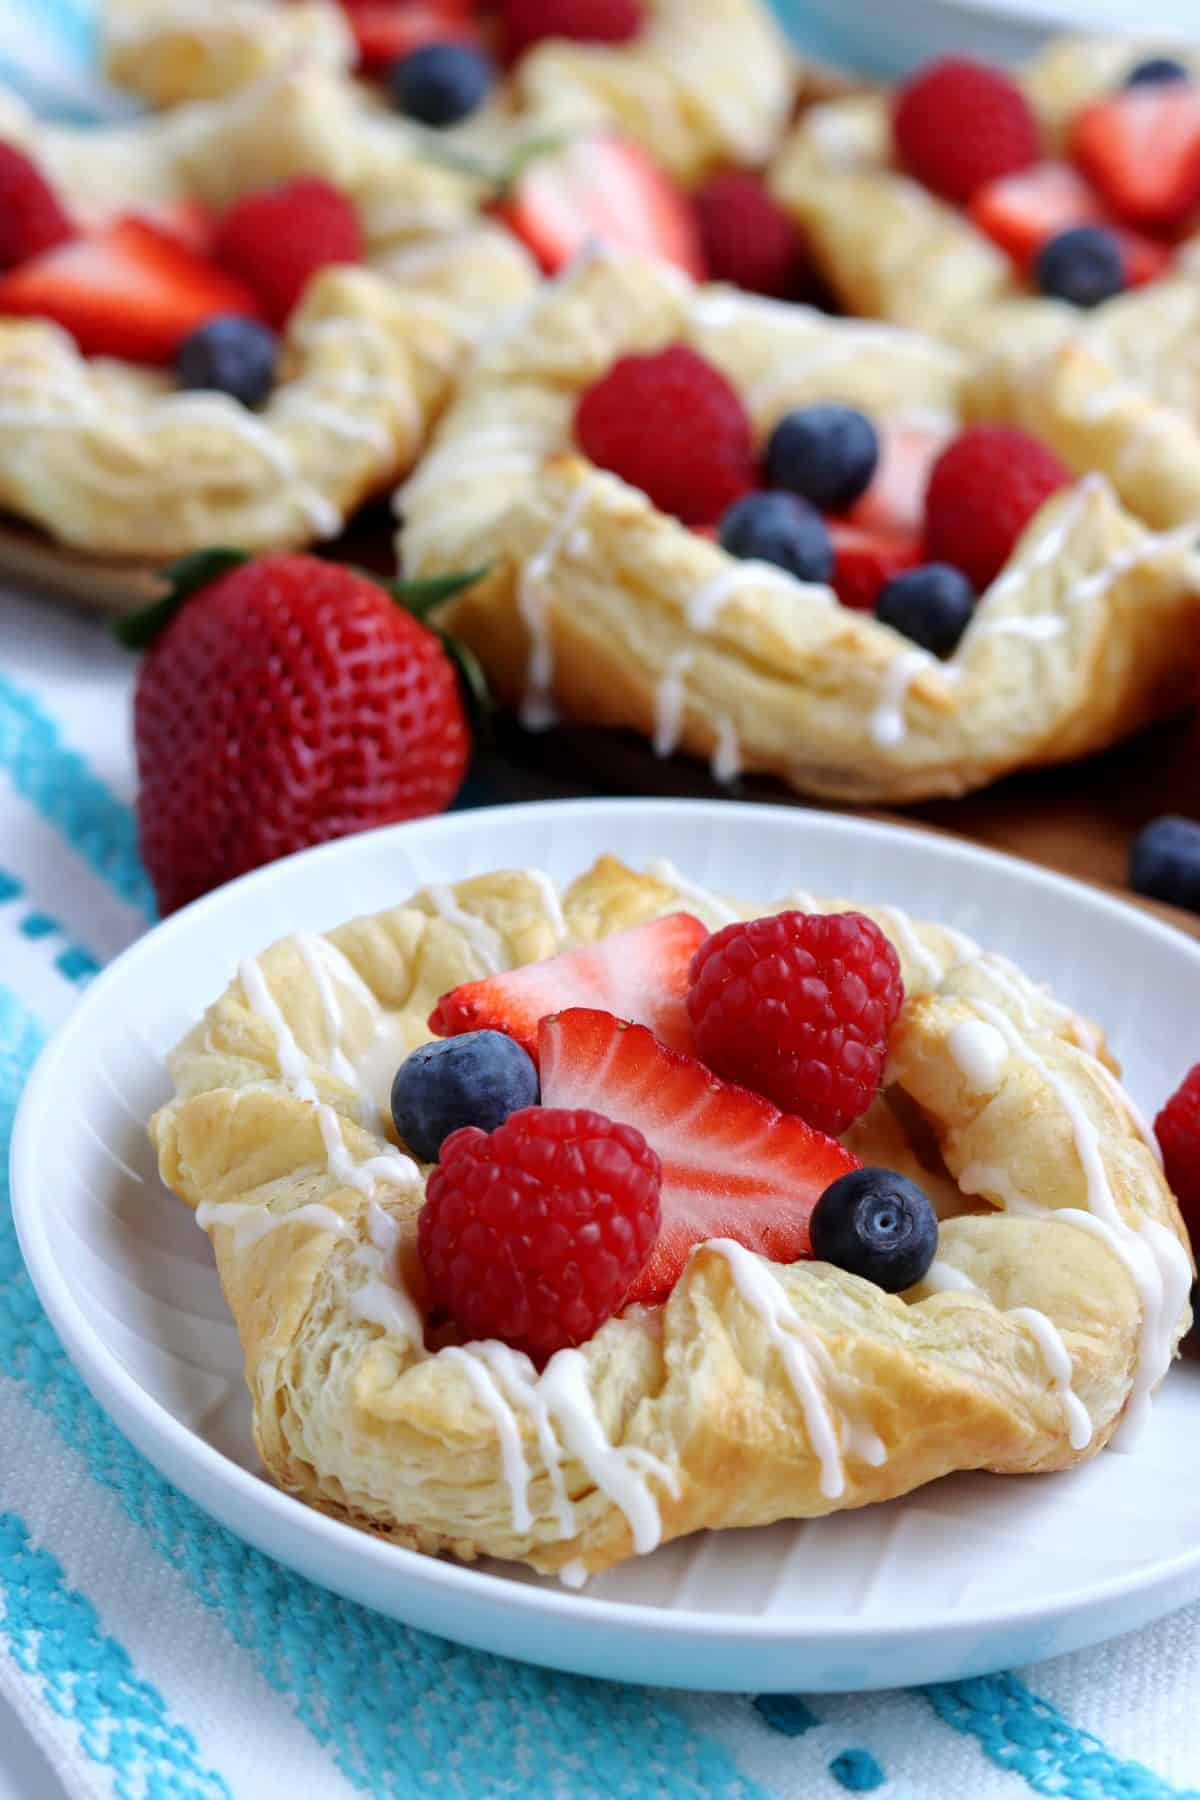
x=138 y=630
x=421 y=596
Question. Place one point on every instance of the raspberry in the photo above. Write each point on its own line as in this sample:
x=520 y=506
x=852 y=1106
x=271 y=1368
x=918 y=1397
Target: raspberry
x=527 y=22
x=277 y=239
x=747 y=237
x=31 y=218
x=799 y=1006
x=959 y=123
x=672 y=425
x=983 y=491
x=1177 y=1129
x=535 y=1232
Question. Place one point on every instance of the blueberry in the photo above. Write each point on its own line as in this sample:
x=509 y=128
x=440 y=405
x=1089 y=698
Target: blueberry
x=1157 y=69
x=476 y=1079
x=439 y=84
x=876 y=1224
x=931 y=605
x=779 y=528
x=1084 y=265
x=233 y=355
x=826 y=453
x=1164 y=861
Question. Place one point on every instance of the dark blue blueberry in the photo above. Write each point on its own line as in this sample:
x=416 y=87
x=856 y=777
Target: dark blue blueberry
x=876 y=1224
x=1157 y=69
x=1084 y=265
x=826 y=453
x=779 y=528
x=931 y=605
x=439 y=84
x=1164 y=861
x=233 y=355
x=476 y=1079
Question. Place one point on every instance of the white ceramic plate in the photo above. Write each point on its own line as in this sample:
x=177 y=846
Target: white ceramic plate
x=972 y=1574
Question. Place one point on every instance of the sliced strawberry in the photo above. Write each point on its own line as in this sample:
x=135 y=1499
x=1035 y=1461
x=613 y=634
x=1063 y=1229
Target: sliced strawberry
x=639 y=974
x=1020 y=212
x=865 y=561
x=384 y=31
x=894 y=503
x=130 y=291
x=1141 y=148
x=601 y=190
x=190 y=222
x=1145 y=258
x=733 y=1165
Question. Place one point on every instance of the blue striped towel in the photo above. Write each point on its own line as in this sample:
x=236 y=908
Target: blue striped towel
x=148 y=1653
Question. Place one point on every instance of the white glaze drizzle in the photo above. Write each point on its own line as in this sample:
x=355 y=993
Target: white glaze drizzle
x=620 y=1471
x=726 y=762
x=574 y=1574
x=669 y=701
x=979 y=1052
x=701 y=897
x=703 y=606
x=533 y=603
x=485 y=942
x=551 y=904
x=1038 y=630
x=312 y=957
x=508 y=1432
x=250 y=1224
x=914 y=949
x=379 y=1300
x=518 y=1379
x=338 y=420
x=886 y=724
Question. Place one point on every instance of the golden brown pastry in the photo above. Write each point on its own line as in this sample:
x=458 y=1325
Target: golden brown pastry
x=1115 y=388
x=758 y=1391
x=111 y=458
x=598 y=607
x=698 y=87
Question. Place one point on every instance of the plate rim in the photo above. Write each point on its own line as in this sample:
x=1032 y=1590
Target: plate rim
x=105 y=1377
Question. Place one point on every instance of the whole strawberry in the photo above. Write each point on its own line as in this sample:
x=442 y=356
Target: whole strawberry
x=286 y=702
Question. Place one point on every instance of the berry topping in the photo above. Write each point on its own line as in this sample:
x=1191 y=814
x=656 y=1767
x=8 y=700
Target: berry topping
x=277 y=239
x=604 y=190
x=639 y=974
x=440 y=84
x=386 y=30
x=958 y=124
x=232 y=355
x=895 y=500
x=799 y=1007
x=826 y=453
x=983 y=492
x=1084 y=265
x=673 y=425
x=865 y=561
x=477 y=1079
x=526 y=22
x=1024 y=211
x=779 y=528
x=130 y=291
x=1141 y=148
x=32 y=219
x=733 y=1165
x=876 y=1224
x=533 y=1233
x=932 y=605
x=1177 y=1129
x=288 y=702
x=747 y=237
x=1164 y=861
x=1155 y=70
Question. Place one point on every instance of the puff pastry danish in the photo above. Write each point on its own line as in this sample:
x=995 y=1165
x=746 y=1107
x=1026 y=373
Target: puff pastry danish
x=698 y=88
x=1114 y=388
x=758 y=1391
x=599 y=607
x=108 y=457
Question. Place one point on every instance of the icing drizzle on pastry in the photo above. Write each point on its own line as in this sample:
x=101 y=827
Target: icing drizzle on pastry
x=533 y=602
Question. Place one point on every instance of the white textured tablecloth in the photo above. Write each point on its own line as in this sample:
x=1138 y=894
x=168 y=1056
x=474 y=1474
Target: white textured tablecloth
x=150 y=1654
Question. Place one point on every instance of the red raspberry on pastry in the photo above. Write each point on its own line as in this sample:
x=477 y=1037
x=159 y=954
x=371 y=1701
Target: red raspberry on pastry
x=799 y=1007
x=747 y=237
x=673 y=425
x=958 y=124
x=276 y=240
x=534 y=1233
x=32 y=218
x=733 y=1165
x=524 y=23
x=864 y=561
x=983 y=491
x=1177 y=1129
x=640 y=974
x=284 y=703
